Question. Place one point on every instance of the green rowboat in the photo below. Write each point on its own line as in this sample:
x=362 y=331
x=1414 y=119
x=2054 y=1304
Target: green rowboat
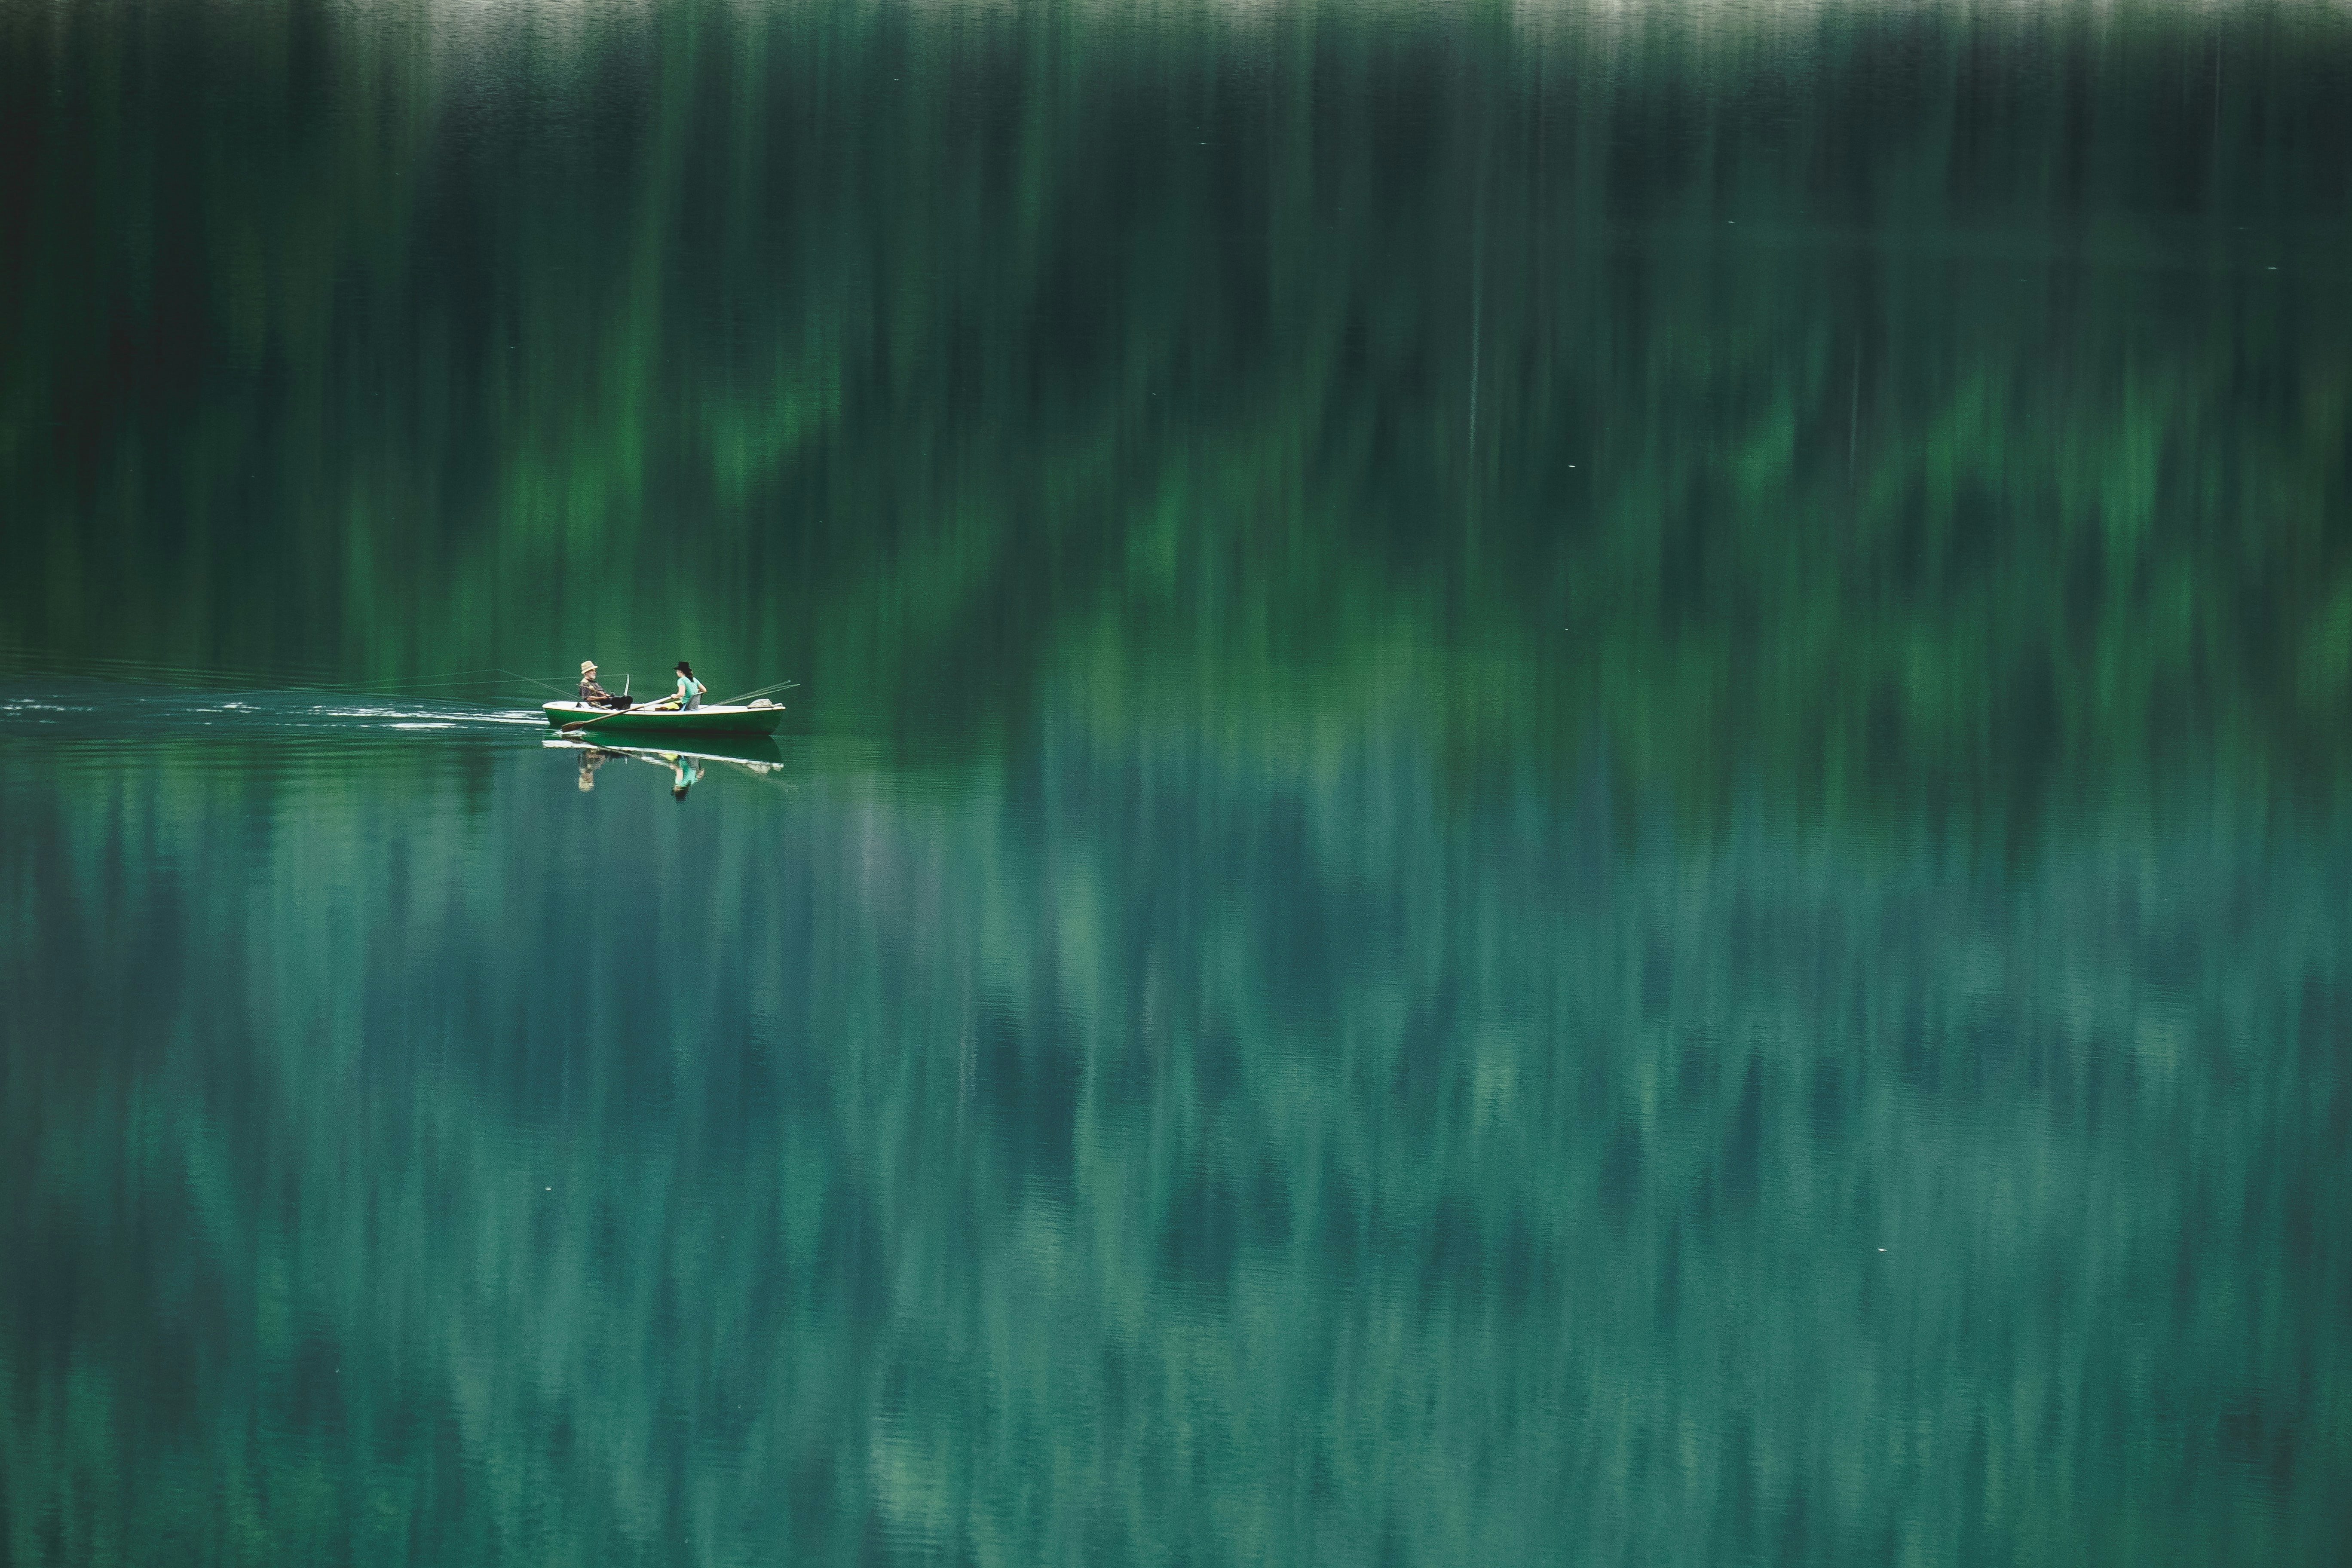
x=758 y=719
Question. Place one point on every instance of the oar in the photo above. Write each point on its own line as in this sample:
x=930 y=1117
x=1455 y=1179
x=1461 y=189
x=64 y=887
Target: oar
x=577 y=725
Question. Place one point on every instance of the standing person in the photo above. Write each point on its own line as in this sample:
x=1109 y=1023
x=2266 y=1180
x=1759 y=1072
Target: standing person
x=689 y=691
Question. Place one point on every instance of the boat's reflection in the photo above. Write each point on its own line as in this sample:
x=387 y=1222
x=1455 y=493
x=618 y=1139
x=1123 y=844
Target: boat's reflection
x=754 y=754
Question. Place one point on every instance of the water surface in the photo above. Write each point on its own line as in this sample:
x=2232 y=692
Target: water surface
x=1567 y=785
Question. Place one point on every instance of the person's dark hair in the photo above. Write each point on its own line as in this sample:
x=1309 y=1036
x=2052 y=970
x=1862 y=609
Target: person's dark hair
x=686 y=670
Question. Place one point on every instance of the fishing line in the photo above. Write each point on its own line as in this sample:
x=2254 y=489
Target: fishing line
x=543 y=685
x=218 y=678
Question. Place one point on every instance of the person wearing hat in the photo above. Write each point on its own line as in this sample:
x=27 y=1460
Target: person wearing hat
x=591 y=693
x=689 y=691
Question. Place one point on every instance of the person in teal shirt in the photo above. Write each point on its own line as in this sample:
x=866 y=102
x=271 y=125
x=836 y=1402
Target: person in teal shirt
x=689 y=691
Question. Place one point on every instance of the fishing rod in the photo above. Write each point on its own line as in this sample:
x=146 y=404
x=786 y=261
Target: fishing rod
x=759 y=691
x=741 y=697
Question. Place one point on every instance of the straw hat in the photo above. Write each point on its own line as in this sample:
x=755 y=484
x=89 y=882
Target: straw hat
x=587 y=665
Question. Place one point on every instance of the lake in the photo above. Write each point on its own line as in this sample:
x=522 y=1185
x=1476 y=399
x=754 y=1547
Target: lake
x=1570 y=784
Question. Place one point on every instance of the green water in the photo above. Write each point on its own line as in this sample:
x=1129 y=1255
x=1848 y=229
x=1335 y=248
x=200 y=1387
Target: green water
x=1570 y=785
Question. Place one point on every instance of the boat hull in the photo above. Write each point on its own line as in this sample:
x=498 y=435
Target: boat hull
x=665 y=721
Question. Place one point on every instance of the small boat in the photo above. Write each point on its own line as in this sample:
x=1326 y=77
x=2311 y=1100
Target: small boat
x=754 y=719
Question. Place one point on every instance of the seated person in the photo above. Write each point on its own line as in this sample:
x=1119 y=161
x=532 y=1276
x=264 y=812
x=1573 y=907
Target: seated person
x=593 y=695
x=689 y=691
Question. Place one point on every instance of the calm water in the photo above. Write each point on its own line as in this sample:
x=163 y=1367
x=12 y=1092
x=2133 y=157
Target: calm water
x=1570 y=784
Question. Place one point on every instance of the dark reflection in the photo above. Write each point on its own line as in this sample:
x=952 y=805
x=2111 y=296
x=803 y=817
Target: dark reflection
x=1914 y=403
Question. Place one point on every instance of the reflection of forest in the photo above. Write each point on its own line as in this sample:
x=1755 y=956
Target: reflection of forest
x=1215 y=1147
x=1877 y=400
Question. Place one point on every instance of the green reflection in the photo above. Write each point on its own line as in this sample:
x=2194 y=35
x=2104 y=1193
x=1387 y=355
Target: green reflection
x=1178 y=1151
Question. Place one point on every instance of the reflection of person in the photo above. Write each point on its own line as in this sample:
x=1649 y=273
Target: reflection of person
x=689 y=691
x=590 y=761
x=683 y=772
x=596 y=696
